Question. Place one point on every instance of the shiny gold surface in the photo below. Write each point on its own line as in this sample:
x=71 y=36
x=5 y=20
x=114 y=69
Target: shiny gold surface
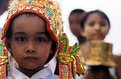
x=100 y=53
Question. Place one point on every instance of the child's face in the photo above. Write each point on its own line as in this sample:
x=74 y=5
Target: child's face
x=75 y=23
x=30 y=44
x=96 y=27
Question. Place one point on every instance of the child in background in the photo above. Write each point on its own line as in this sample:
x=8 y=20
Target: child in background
x=74 y=22
x=33 y=34
x=96 y=25
x=92 y=25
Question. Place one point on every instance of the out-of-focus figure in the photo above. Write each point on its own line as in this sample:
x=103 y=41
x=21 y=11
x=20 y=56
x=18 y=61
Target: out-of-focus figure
x=74 y=22
x=98 y=56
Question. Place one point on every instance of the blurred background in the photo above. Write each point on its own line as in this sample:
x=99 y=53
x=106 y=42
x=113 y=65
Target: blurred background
x=110 y=7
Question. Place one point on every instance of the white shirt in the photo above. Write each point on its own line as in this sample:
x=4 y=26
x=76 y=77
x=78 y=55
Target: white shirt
x=52 y=64
x=46 y=73
x=14 y=73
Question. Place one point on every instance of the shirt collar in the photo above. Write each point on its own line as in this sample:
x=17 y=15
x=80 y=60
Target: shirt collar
x=44 y=73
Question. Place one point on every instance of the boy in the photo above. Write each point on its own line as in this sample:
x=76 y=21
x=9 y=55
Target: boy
x=33 y=34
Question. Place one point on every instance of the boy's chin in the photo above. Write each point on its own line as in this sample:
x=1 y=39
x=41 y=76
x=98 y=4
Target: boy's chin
x=33 y=67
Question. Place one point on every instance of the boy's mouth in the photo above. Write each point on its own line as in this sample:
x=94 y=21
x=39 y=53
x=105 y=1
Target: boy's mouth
x=30 y=58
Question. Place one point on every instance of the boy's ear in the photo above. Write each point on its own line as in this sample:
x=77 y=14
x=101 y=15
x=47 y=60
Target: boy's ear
x=7 y=44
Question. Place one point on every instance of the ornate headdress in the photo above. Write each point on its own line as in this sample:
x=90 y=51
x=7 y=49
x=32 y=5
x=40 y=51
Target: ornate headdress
x=3 y=61
x=46 y=9
x=50 y=12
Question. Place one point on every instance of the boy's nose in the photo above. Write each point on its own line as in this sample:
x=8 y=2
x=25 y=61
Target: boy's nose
x=30 y=47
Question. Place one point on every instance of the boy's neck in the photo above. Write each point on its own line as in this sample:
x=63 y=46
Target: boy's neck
x=29 y=72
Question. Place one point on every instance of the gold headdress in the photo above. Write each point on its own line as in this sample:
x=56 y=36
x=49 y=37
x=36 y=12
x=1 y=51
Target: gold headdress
x=46 y=9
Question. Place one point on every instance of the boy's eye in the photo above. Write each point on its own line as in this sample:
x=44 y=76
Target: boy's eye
x=40 y=39
x=21 y=39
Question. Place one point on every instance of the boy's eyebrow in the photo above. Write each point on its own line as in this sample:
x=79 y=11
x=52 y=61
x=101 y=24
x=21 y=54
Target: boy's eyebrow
x=19 y=33
x=44 y=33
x=22 y=33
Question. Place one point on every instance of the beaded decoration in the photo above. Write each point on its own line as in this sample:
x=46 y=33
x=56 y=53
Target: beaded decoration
x=69 y=59
x=47 y=9
x=3 y=61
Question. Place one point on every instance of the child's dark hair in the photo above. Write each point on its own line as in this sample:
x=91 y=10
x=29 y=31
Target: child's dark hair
x=81 y=11
x=77 y=11
x=85 y=17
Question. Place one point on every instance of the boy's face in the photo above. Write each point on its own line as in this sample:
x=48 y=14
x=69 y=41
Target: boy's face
x=30 y=44
x=96 y=27
x=74 y=21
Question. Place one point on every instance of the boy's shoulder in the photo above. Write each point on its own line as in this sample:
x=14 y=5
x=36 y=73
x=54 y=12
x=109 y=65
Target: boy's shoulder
x=53 y=77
